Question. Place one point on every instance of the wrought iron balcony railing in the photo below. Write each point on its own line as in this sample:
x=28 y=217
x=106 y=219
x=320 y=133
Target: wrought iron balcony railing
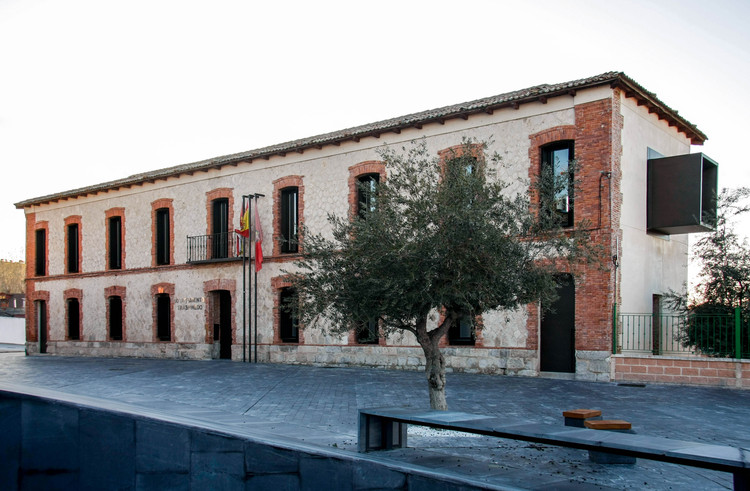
x=225 y=246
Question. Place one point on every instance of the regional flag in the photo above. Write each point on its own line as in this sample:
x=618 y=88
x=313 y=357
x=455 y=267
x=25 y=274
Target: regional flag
x=258 y=238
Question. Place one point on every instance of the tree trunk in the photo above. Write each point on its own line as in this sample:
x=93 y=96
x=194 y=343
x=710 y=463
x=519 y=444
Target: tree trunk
x=435 y=363
x=435 y=371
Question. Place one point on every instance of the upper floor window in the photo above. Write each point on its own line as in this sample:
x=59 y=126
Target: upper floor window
x=73 y=241
x=114 y=256
x=367 y=193
x=220 y=228
x=40 y=261
x=558 y=181
x=162 y=239
x=289 y=214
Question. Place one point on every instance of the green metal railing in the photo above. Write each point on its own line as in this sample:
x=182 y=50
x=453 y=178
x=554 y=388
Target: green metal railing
x=715 y=335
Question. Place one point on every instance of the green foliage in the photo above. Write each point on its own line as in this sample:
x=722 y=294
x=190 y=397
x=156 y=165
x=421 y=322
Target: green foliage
x=711 y=328
x=725 y=256
x=724 y=283
x=441 y=237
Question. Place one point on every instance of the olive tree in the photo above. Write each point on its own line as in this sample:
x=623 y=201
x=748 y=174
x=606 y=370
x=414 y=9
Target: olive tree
x=441 y=239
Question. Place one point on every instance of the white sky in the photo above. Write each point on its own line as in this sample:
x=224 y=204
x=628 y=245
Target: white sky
x=95 y=90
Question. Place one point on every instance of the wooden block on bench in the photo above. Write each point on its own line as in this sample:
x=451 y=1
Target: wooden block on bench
x=608 y=424
x=617 y=425
x=577 y=417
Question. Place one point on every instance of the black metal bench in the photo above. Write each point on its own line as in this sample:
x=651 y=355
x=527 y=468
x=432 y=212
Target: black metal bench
x=385 y=428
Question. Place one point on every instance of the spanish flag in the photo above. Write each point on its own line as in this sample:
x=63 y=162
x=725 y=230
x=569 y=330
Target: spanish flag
x=244 y=229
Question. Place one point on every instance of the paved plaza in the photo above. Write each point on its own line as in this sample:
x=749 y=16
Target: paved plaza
x=319 y=406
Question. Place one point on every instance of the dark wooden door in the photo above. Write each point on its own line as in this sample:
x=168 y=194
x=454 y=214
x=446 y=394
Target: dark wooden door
x=225 y=325
x=557 y=348
x=41 y=324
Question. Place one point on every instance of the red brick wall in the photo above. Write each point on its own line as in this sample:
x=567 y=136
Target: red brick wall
x=278 y=185
x=596 y=133
x=155 y=205
x=31 y=297
x=115 y=212
x=723 y=373
x=116 y=291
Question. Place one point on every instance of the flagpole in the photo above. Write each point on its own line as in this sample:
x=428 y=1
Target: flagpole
x=244 y=284
x=257 y=195
x=249 y=276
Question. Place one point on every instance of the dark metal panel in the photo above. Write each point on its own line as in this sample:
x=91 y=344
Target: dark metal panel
x=681 y=194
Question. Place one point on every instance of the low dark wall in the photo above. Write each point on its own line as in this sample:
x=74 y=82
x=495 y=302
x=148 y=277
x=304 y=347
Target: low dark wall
x=58 y=443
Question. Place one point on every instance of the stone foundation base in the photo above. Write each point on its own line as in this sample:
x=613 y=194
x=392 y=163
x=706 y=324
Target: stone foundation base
x=590 y=365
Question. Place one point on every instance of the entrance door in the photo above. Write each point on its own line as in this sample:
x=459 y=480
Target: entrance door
x=225 y=324
x=41 y=324
x=558 y=329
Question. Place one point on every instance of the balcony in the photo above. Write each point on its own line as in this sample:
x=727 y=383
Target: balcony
x=224 y=246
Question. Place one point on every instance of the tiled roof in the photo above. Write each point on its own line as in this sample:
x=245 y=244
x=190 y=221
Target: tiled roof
x=439 y=115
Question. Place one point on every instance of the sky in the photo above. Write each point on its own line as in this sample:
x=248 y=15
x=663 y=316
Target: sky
x=96 y=90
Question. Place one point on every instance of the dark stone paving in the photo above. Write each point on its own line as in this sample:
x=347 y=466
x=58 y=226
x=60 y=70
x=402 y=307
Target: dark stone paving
x=319 y=406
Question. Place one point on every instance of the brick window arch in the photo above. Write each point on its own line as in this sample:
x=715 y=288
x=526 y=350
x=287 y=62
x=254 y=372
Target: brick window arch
x=288 y=214
x=537 y=142
x=162 y=232
x=73 y=314
x=40 y=234
x=280 y=286
x=115 y=299
x=162 y=295
x=114 y=220
x=73 y=246
x=369 y=168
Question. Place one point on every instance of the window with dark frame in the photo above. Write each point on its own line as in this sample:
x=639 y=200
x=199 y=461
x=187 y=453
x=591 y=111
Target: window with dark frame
x=289 y=219
x=74 y=319
x=461 y=333
x=115 y=242
x=162 y=236
x=367 y=193
x=558 y=181
x=73 y=259
x=163 y=317
x=288 y=315
x=115 y=318
x=220 y=228
x=367 y=332
x=40 y=267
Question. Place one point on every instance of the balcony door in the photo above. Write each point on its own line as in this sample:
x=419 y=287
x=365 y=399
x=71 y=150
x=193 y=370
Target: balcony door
x=220 y=228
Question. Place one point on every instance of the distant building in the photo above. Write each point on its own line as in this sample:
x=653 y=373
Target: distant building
x=12 y=297
x=147 y=265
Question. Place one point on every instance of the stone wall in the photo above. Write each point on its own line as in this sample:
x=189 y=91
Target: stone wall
x=62 y=443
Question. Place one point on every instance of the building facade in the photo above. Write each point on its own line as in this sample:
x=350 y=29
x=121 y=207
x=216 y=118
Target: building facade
x=148 y=266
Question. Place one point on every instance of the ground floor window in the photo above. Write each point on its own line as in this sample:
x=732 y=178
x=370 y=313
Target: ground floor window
x=462 y=332
x=115 y=318
x=367 y=332
x=163 y=317
x=74 y=319
x=288 y=318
